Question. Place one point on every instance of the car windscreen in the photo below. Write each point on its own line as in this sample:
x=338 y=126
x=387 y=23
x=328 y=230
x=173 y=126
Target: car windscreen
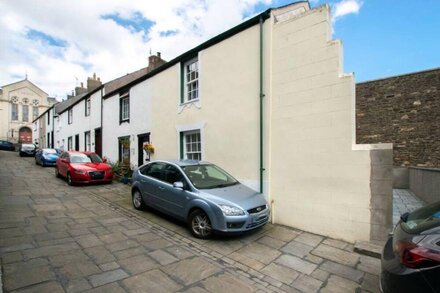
x=49 y=151
x=422 y=219
x=208 y=176
x=27 y=147
x=80 y=158
x=94 y=158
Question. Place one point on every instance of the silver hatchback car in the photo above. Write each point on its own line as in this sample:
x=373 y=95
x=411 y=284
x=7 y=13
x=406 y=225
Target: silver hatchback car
x=201 y=194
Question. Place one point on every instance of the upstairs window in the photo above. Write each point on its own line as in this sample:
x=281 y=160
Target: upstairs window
x=14 y=112
x=34 y=113
x=124 y=108
x=48 y=117
x=25 y=113
x=87 y=110
x=69 y=116
x=190 y=81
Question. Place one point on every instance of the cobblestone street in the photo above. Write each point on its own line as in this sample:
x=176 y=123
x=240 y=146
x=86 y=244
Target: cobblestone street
x=58 y=238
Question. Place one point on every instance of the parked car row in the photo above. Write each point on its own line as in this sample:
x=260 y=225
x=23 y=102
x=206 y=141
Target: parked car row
x=6 y=145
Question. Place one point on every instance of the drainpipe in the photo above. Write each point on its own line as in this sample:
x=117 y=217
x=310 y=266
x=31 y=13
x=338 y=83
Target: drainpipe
x=261 y=106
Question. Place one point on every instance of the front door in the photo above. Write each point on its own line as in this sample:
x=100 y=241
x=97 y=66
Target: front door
x=77 y=142
x=98 y=142
x=143 y=157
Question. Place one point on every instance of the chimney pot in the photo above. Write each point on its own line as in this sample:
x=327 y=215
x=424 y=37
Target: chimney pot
x=158 y=54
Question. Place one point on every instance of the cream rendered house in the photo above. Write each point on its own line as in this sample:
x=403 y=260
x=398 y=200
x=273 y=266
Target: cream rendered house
x=267 y=101
x=21 y=103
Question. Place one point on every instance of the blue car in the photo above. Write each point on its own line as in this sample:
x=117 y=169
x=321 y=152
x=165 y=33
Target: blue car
x=46 y=157
x=201 y=194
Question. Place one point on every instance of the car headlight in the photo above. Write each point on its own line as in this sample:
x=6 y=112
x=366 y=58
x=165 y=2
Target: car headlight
x=231 y=210
x=79 y=172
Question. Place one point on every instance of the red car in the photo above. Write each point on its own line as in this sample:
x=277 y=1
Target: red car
x=83 y=167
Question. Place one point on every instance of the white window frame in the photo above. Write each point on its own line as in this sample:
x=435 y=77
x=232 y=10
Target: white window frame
x=69 y=143
x=125 y=108
x=36 y=113
x=88 y=103
x=194 y=81
x=87 y=141
x=188 y=144
x=14 y=117
x=25 y=114
x=70 y=116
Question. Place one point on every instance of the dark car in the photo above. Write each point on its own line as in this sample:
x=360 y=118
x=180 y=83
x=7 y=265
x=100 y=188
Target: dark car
x=27 y=150
x=46 y=157
x=83 y=167
x=201 y=194
x=411 y=257
x=6 y=145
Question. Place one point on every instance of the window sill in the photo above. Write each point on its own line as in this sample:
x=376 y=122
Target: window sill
x=188 y=104
x=124 y=121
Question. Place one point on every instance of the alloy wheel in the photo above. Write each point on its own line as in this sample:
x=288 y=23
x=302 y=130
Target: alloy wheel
x=201 y=225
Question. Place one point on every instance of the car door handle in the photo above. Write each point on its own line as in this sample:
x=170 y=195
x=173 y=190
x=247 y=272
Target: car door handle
x=161 y=187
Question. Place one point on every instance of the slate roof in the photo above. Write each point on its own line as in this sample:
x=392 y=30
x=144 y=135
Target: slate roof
x=64 y=105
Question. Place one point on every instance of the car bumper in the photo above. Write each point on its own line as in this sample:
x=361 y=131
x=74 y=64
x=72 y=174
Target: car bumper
x=49 y=163
x=29 y=154
x=86 y=178
x=395 y=277
x=231 y=224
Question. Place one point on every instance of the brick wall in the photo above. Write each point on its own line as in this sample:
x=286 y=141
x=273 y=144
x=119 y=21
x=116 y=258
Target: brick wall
x=403 y=110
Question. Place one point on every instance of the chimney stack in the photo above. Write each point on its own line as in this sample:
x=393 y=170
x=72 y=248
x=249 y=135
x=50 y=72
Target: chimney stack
x=154 y=61
x=93 y=82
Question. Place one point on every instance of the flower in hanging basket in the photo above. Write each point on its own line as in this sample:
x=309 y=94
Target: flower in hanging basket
x=149 y=148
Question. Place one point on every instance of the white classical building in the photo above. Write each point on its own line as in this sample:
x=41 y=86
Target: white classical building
x=266 y=100
x=21 y=103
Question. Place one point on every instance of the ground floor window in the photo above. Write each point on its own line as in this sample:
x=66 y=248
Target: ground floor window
x=69 y=143
x=191 y=145
x=124 y=150
x=87 y=141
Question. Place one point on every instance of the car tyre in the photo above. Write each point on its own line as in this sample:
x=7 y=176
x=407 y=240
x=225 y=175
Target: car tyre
x=200 y=225
x=138 y=202
x=69 y=179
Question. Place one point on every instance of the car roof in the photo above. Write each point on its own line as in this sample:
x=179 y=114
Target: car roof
x=183 y=163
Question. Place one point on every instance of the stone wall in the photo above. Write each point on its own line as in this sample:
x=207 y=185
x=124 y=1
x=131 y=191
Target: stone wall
x=403 y=110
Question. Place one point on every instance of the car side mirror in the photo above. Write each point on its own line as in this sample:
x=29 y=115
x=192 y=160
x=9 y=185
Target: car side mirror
x=404 y=217
x=104 y=160
x=178 y=185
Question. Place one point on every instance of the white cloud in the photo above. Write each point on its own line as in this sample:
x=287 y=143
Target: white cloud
x=94 y=44
x=345 y=7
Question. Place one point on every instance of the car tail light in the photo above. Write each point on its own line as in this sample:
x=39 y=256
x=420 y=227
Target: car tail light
x=417 y=257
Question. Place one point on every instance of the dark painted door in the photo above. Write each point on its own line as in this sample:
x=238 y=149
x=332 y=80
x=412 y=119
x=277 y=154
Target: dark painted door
x=143 y=157
x=98 y=142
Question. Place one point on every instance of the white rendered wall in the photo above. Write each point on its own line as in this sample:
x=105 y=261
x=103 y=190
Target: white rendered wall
x=140 y=121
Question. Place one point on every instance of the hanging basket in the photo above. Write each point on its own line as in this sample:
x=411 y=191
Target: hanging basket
x=149 y=148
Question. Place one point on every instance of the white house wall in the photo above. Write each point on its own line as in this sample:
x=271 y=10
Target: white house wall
x=140 y=121
x=318 y=182
x=80 y=123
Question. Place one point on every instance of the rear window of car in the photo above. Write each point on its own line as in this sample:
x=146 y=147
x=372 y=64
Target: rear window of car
x=422 y=219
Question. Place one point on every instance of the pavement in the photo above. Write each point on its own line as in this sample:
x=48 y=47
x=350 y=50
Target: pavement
x=404 y=200
x=58 y=238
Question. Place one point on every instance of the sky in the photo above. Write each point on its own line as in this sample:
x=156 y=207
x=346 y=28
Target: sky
x=58 y=44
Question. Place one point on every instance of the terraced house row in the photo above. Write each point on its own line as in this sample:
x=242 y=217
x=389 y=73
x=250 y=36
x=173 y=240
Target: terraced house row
x=266 y=100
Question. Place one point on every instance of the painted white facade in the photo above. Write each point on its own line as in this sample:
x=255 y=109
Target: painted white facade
x=81 y=124
x=315 y=177
x=139 y=123
x=20 y=94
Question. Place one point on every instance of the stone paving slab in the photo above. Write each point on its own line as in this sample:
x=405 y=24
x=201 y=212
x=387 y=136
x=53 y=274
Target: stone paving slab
x=90 y=239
